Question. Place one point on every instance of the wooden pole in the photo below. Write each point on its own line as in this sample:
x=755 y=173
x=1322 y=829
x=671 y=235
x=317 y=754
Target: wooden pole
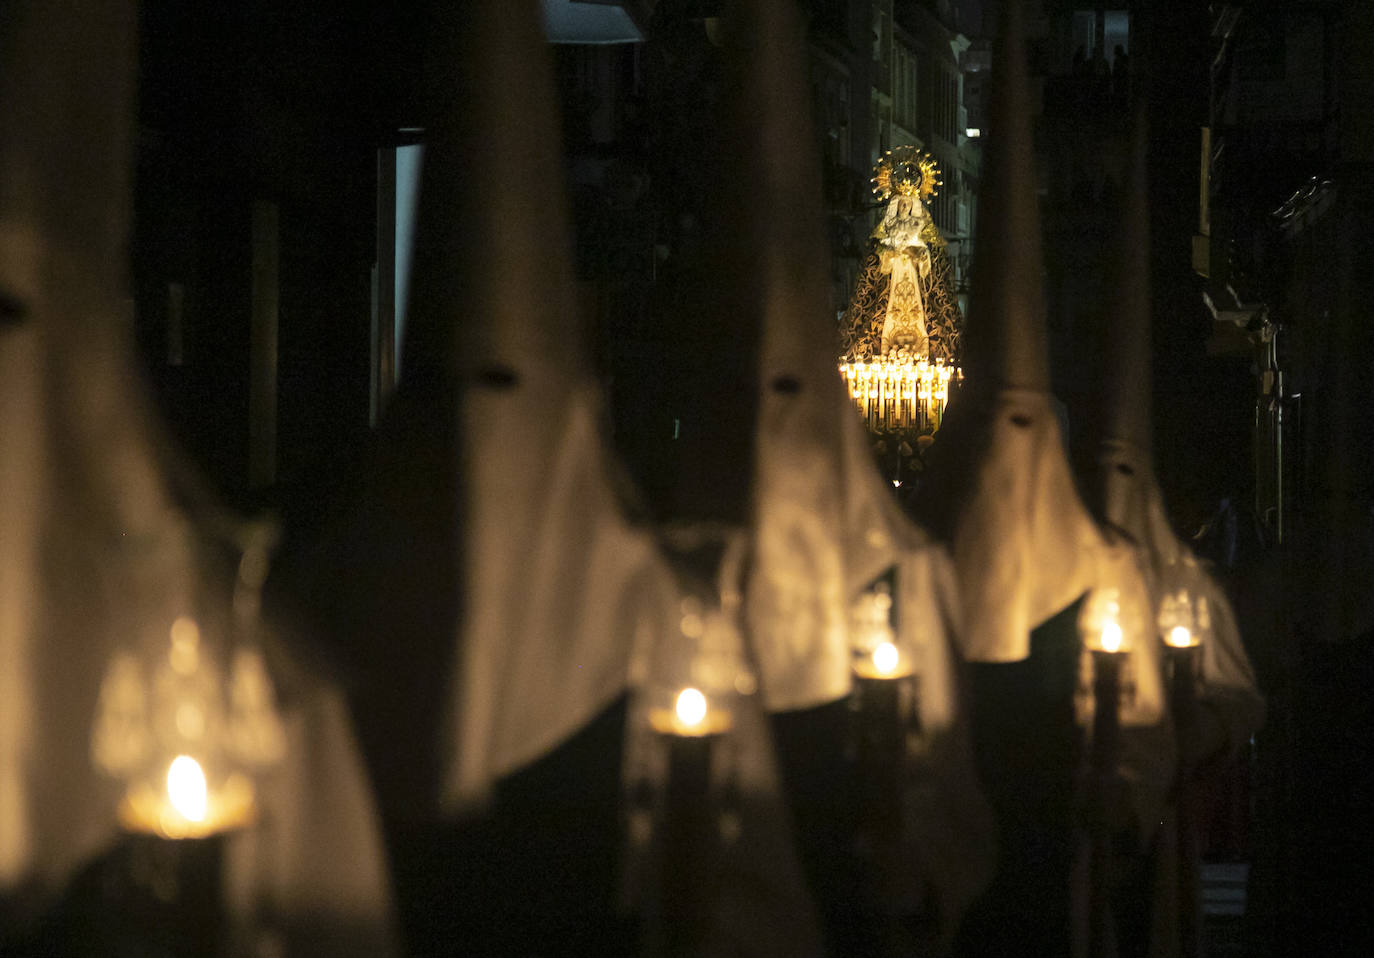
x=689 y=860
x=1183 y=665
x=1106 y=746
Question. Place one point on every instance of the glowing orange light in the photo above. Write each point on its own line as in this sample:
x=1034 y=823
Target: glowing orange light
x=885 y=658
x=691 y=708
x=186 y=788
x=1112 y=637
x=1180 y=637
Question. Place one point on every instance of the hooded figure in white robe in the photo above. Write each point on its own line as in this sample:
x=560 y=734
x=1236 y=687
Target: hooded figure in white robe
x=1157 y=920
x=498 y=605
x=825 y=527
x=105 y=534
x=77 y=471
x=999 y=493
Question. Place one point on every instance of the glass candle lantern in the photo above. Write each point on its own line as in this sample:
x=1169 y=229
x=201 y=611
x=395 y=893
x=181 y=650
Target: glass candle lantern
x=187 y=719
x=1108 y=623
x=875 y=651
x=696 y=675
x=1183 y=617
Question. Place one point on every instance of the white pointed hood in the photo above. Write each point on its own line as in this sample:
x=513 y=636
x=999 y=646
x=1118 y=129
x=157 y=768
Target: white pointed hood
x=1124 y=489
x=78 y=485
x=553 y=582
x=812 y=543
x=99 y=549
x=998 y=487
x=825 y=524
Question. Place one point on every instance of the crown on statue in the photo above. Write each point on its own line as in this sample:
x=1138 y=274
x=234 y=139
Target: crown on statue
x=909 y=171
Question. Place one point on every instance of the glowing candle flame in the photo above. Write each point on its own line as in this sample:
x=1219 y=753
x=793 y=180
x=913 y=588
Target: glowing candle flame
x=691 y=707
x=186 y=788
x=1179 y=637
x=885 y=658
x=1111 y=637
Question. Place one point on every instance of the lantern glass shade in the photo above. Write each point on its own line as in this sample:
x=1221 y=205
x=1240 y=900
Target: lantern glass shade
x=186 y=732
x=1109 y=622
x=696 y=672
x=875 y=651
x=1177 y=624
x=1184 y=617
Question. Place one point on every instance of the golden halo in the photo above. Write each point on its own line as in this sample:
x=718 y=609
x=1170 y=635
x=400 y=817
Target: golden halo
x=909 y=171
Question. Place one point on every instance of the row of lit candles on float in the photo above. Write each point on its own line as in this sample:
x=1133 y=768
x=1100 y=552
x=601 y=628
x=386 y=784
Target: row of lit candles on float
x=898 y=392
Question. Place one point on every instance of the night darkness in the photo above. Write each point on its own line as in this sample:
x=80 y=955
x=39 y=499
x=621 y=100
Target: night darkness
x=271 y=129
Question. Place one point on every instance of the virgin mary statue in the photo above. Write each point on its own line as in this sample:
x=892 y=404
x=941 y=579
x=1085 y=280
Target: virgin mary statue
x=903 y=303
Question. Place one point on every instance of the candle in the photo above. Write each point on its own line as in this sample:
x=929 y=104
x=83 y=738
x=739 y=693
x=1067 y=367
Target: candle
x=1180 y=637
x=1103 y=762
x=182 y=803
x=692 y=716
x=1105 y=622
x=186 y=788
x=1109 y=643
x=884 y=662
x=1111 y=638
x=1107 y=633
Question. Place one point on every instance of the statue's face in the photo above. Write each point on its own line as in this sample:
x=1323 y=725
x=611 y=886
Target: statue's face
x=904 y=206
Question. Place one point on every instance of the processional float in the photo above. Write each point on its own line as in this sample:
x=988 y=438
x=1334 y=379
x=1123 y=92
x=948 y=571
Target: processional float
x=899 y=336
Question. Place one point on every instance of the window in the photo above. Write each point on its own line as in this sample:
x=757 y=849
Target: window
x=904 y=89
x=1116 y=31
x=909 y=117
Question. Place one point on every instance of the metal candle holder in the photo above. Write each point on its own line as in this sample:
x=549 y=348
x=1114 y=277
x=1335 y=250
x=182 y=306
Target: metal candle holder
x=1183 y=664
x=695 y=805
x=884 y=703
x=884 y=715
x=1106 y=746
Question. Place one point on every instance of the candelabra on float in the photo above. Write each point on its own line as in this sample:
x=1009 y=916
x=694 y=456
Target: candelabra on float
x=900 y=333
x=898 y=392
